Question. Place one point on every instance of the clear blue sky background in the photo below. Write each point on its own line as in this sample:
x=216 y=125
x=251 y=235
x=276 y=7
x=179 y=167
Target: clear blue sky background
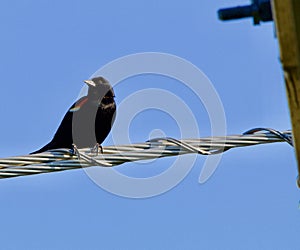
x=49 y=47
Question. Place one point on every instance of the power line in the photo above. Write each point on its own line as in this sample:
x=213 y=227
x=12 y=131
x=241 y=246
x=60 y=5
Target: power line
x=65 y=159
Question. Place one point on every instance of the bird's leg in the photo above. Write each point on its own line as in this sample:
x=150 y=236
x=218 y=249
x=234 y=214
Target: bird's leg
x=75 y=151
x=98 y=148
x=90 y=160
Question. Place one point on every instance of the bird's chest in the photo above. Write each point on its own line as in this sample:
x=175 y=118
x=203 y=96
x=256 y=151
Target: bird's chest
x=84 y=125
x=87 y=115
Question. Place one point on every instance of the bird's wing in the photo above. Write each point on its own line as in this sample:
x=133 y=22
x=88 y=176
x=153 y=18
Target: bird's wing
x=76 y=106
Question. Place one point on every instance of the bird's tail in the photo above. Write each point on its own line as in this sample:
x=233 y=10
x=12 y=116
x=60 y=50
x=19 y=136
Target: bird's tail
x=43 y=149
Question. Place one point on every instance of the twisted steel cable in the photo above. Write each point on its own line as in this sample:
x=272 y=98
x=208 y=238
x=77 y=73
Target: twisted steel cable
x=65 y=159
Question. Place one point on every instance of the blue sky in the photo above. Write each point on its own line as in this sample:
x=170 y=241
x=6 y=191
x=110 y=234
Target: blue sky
x=50 y=47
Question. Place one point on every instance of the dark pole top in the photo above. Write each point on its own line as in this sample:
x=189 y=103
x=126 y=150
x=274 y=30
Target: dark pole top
x=260 y=10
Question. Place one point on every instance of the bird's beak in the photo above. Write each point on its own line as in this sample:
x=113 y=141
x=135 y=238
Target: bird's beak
x=90 y=83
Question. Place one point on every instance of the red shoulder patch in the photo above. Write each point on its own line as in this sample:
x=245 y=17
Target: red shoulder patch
x=78 y=105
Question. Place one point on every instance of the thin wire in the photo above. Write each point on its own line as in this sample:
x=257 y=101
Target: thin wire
x=66 y=159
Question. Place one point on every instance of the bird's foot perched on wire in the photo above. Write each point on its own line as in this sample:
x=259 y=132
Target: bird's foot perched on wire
x=97 y=148
x=89 y=159
x=75 y=151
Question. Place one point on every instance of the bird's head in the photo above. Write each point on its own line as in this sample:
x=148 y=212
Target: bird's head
x=100 y=88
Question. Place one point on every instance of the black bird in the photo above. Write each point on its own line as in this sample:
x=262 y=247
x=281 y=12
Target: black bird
x=89 y=120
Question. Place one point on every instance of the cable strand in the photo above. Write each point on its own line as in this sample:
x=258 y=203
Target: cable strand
x=65 y=159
